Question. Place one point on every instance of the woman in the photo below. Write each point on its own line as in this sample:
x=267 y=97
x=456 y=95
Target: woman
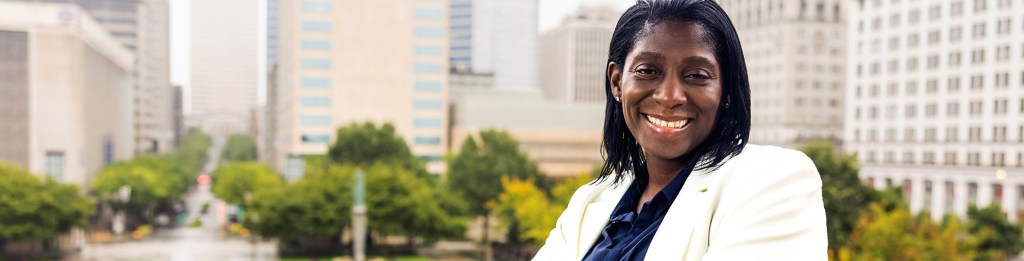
x=680 y=181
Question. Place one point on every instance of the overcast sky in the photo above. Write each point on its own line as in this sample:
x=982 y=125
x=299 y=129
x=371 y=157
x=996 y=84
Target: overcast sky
x=550 y=14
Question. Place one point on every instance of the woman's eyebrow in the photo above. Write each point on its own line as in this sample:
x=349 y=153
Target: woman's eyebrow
x=698 y=60
x=650 y=55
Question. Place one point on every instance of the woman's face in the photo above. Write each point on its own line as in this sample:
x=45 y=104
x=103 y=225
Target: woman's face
x=670 y=89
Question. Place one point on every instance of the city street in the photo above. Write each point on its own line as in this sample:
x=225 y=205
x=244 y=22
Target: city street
x=207 y=242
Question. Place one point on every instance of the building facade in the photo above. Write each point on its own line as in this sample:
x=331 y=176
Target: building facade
x=143 y=27
x=335 y=70
x=574 y=55
x=495 y=37
x=68 y=89
x=224 y=53
x=796 y=54
x=936 y=101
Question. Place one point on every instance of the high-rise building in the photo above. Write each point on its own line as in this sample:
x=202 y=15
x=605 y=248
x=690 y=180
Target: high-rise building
x=574 y=55
x=66 y=90
x=795 y=55
x=936 y=101
x=143 y=27
x=225 y=49
x=495 y=37
x=378 y=61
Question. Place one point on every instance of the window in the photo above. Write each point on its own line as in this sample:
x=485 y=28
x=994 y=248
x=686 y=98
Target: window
x=426 y=122
x=934 y=13
x=426 y=86
x=952 y=109
x=1003 y=79
x=55 y=165
x=894 y=44
x=931 y=86
x=933 y=61
x=974 y=134
x=428 y=32
x=978 y=31
x=1003 y=53
x=977 y=82
x=956 y=9
x=972 y=193
x=315 y=82
x=316 y=45
x=951 y=134
x=426 y=104
x=894 y=20
x=914 y=16
x=427 y=140
x=975 y=108
x=930 y=110
x=950 y=158
x=955 y=34
x=315 y=26
x=910 y=111
x=973 y=159
x=912 y=87
x=315 y=119
x=315 y=101
x=1003 y=27
x=979 y=5
x=999 y=133
x=428 y=13
x=978 y=56
x=912 y=64
x=953 y=85
x=315 y=63
x=315 y=138
x=909 y=135
x=890 y=113
x=427 y=68
x=913 y=40
x=929 y=135
x=423 y=49
x=316 y=6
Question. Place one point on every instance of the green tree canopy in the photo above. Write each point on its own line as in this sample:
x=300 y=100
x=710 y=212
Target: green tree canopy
x=998 y=237
x=318 y=205
x=147 y=187
x=399 y=202
x=233 y=181
x=474 y=174
x=365 y=144
x=239 y=147
x=35 y=209
x=844 y=195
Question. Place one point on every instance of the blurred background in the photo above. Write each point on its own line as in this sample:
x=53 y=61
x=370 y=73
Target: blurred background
x=458 y=129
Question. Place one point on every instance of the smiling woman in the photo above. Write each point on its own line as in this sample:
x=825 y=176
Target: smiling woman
x=680 y=181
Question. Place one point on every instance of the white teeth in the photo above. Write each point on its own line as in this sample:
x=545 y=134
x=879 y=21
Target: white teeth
x=667 y=124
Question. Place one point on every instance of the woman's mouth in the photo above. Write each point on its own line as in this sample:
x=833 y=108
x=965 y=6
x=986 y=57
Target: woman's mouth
x=678 y=124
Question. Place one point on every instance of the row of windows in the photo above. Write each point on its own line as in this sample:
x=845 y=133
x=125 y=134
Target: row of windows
x=935 y=12
x=322 y=45
x=315 y=101
x=427 y=140
x=314 y=63
x=423 y=49
x=427 y=68
x=422 y=86
x=315 y=26
x=932 y=61
x=975 y=108
x=316 y=138
x=426 y=122
x=427 y=104
x=428 y=32
x=975 y=83
x=948 y=194
x=428 y=13
x=318 y=120
x=316 y=6
x=949 y=158
x=315 y=82
x=952 y=134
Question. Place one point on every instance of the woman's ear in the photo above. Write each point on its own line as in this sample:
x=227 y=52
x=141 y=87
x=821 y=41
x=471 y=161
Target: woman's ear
x=615 y=79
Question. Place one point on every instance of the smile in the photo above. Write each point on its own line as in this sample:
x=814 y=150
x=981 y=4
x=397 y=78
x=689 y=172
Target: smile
x=667 y=124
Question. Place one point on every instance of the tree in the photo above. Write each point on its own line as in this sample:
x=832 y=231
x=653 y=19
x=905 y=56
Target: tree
x=33 y=209
x=999 y=239
x=365 y=144
x=475 y=173
x=401 y=203
x=844 y=195
x=524 y=207
x=317 y=206
x=239 y=148
x=237 y=182
x=888 y=231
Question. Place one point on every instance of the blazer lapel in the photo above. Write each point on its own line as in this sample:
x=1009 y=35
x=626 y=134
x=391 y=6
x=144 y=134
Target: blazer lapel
x=601 y=203
x=672 y=239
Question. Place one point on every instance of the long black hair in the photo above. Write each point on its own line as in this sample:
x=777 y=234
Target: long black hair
x=732 y=127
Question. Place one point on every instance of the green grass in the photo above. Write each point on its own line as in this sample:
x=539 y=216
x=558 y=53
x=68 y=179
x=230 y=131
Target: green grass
x=412 y=258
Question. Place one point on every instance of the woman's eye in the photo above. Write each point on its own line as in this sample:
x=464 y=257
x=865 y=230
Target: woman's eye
x=698 y=76
x=646 y=73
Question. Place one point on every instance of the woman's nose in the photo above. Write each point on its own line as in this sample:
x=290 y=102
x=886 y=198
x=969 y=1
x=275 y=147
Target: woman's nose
x=671 y=93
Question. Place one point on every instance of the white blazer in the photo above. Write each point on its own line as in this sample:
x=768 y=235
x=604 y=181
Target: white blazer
x=763 y=204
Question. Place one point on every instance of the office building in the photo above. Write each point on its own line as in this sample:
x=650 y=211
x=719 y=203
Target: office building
x=224 y=50
x=795 y=55
x=495 y=37
x=384 y=62
x=574 y=55
x=936 y=101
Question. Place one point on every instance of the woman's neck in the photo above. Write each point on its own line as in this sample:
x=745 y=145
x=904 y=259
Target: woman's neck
x=659 y=173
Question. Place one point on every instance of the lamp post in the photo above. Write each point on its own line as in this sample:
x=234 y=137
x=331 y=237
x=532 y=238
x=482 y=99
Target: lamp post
x=124 y=194
x=359 y=218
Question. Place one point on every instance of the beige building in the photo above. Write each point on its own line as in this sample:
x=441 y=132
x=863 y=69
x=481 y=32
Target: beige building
x=936 y=93
x=379 y=61
x=563 y=138
x=224 y=51
x=141 y=26
x=574 y=55
x=795 y=54
x=497 y=37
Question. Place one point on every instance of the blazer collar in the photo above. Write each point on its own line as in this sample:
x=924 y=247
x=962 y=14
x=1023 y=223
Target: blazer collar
x=673 y=236
x=600 y=204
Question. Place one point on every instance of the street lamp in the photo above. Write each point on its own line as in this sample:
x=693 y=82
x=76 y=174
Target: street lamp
x=124 y=194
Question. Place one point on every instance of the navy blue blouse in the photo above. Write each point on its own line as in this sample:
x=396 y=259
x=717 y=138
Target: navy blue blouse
x=627 y=235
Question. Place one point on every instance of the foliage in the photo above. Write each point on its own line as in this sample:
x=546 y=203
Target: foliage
x=191 y=154
x=239 y=147
x=475 y=173
x=401 y=203
x=365 y=144
x=35 y=209
x=888 y=231
x=844 y=195
x=999 y=238
x=233 y=181
x=524 y=207
x=564 y=190
x=319 y=204
x=147 y=187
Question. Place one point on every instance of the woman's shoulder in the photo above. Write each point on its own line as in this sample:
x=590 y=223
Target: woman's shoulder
x=769 y=164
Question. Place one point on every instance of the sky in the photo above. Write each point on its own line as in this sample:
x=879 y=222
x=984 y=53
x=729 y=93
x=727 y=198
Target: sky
x=550 y=13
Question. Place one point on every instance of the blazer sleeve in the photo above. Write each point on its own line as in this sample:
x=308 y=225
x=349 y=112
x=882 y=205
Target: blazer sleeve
x=770 y=210
x=555 y=246
x=561 y=242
